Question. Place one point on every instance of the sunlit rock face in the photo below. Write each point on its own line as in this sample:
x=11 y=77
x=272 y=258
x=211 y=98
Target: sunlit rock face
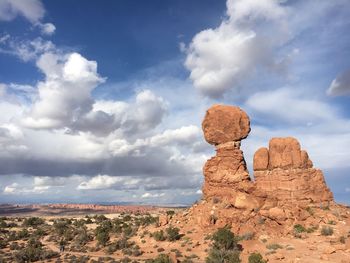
x=286 y=173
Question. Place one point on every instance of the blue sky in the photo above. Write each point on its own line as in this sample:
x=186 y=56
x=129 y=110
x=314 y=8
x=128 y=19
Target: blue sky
x=103 y=101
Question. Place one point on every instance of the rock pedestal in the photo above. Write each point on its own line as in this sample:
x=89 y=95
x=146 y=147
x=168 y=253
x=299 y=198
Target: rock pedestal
x=226 y=175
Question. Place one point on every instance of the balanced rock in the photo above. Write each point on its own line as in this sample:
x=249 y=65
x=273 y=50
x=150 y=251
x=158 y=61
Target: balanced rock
x=225 y=124
x=226 y=174
x=285 y=173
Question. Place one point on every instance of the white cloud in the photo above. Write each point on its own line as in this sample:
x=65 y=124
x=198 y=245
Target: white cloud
x=340 y=85
x=25 y=50
x=150 y=195
x=65 y=95
x=220 y=58
x=11 y=189
x=15 y=189
x=291 y=106
x=48 y=29
x=32 y=10
x=100 y=182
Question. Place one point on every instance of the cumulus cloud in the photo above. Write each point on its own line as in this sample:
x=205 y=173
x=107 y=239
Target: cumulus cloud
x=25 y=50
x=220 y=58
x=340 y=85
x=100 y=182
x=48 y=29
x=32 y=10
x=150 y=195
x=291 y=106
x=65 y=95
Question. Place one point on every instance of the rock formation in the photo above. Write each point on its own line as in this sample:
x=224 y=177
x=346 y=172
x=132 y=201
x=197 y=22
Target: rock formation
x=285 y=173
x=285 y=188
x=226 y=175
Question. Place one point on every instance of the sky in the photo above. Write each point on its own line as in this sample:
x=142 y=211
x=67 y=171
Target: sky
x=102 y=101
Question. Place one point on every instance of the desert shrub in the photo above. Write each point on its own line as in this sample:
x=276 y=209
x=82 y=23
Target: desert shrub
x=39 y=232
x=100 y=218
x=14 y=246
x=225 y=248
x=273 y=246
x=170 y=212
x=256 y=258
x=162 y=258
x=3 y=244
x=224 y=239
x=172 y=233
x=24 y=233
x=102 y=237
x=33 y=221
x=127 y=218
x=159 y=235
x=299 y=228
x=310 y=210
x=88 y=220
x=34 y=252
x=82 y=236
x=326 y=231
x=3 y=223
x=225 y=256
x=61 y=226
x=128 y=231
x=247 y=236
x=342 y=240
x=332 y=222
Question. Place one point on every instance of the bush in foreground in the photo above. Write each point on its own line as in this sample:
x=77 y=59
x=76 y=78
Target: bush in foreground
x=256 y=258
x=225 y=248
x=326 y=231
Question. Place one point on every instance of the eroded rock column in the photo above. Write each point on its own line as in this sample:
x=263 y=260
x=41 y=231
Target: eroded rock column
x=226 y=175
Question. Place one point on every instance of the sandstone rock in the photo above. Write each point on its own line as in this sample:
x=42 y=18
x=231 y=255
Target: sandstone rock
x=289 y=177
x=225 y=124
x=329 y=250
x=224 y=173
x=163 y=219
x=245 y=201
x=261 y=159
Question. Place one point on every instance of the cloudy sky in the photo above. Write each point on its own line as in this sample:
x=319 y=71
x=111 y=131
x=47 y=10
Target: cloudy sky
x=102 y=101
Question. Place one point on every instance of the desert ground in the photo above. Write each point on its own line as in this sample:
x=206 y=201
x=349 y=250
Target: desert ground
x=160 y=235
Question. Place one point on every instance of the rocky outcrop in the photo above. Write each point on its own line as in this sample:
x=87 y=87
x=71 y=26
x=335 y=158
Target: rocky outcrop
x=224 y=124
x=285 y=173
x=285 y=182
x=226 y=175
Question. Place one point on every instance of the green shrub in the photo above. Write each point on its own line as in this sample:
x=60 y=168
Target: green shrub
x=342 y=240
x=273 y=246
x=256 y=258
x=326 y=231
x=225 y=248
x=34 y=252
x=170 y=212
x=223 y=256
x=172 y=233
x=33 y=222
x=310 y=210
x=159 y=235
x=224 y=239
x=162 y=258
x=299 y=228
x=102 y=237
